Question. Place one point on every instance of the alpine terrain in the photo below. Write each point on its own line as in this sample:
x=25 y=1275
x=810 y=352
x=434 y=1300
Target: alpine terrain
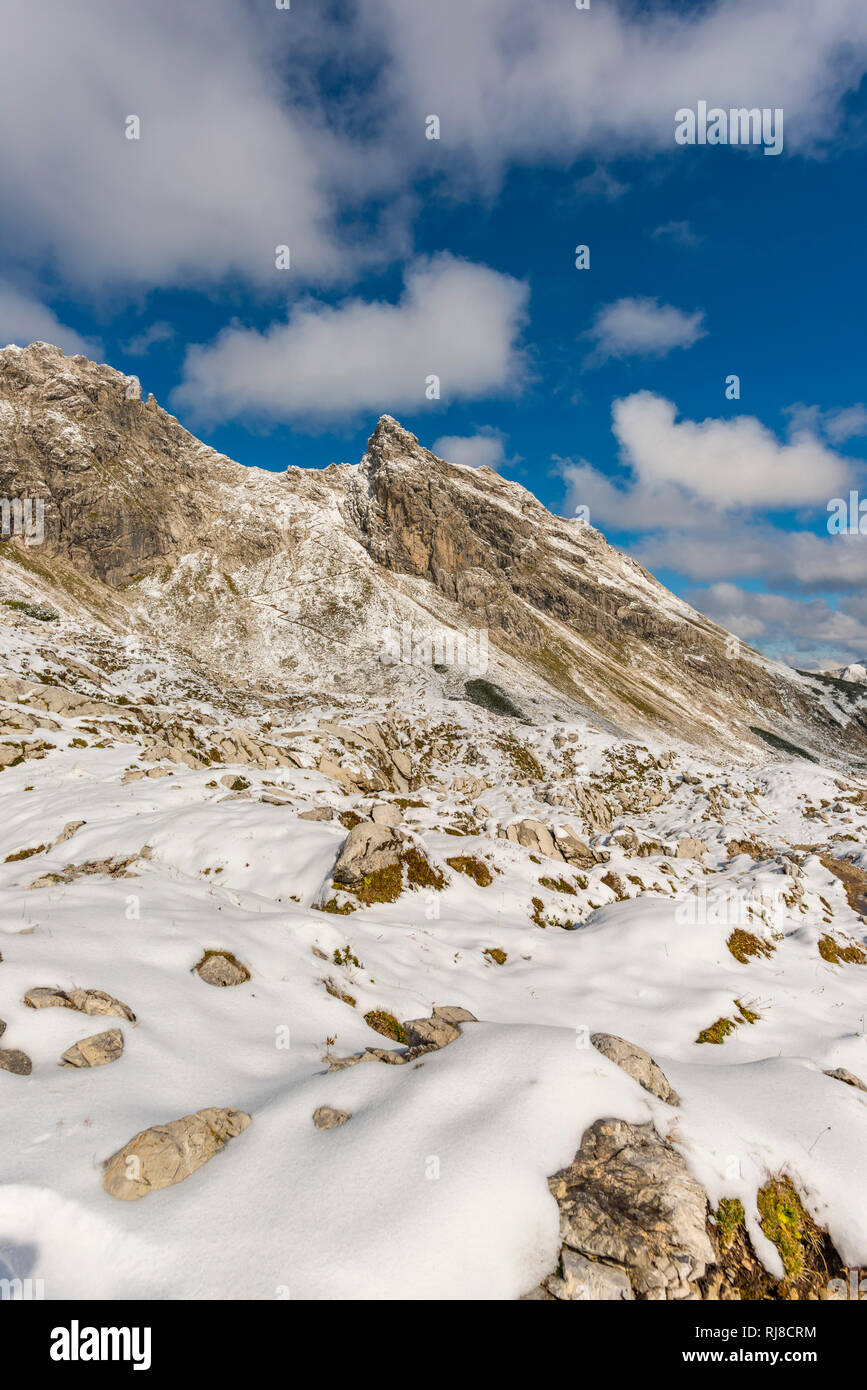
x=446 y=908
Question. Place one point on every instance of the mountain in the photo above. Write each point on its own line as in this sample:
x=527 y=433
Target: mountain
x=323 y=578
x=403 y=891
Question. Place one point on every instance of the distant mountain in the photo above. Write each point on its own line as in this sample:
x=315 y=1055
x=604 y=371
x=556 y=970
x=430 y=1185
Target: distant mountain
x=366 y=577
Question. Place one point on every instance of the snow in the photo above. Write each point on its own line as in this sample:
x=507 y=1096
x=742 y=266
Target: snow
x=436 y=1187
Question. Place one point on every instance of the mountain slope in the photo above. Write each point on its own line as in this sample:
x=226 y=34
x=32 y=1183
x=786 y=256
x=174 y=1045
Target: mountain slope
x=312 y=577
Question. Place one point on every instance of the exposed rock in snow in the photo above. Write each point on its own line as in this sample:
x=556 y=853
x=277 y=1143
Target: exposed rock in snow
x=95 y=1051
x=166 y=1154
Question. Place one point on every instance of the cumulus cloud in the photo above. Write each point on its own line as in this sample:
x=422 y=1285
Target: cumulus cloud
x=513 y=81
x=682 y=475
x=729 y=463
x=802 y=631
x=25 y=319
x=455 y=320
x=485 y=449
x=234 y=157
x=245 y=143
x=699 y=498
x=642 y=327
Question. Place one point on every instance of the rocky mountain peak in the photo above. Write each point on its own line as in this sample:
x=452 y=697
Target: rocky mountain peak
x=391 y=442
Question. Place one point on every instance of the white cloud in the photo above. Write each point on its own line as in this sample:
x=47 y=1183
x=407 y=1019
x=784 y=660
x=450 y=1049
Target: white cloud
x=455 y=320
x=642 y=327
x=735 y=463
x=801 y=631
x=25 y=319
x=234 y=157
x=141 y=343
x=242 y=149
x=485 y=449
x=681 y=233
x=517 y=81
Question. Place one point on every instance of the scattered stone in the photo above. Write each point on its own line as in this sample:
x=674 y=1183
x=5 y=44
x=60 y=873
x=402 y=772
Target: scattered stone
x=326 y=1117
x=17 y=1062
x=95 y=1051
x=221 y=969
x=385 y=813
x=849 y=1078
x=86 y=1001
x=317 y=813
x=166 y=1154
x=636 y=1063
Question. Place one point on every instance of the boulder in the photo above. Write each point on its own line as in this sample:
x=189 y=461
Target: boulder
x=636 y=1063
x=93 y=1002
x=17 y=1062
x=317 y=813
x=95 y=1051
x=366 y=849
x=221 y=969
x=629 y=1200
x=385 y=813
x=847 y=1077
x=326 y=1117
x=166 y=1154
x=537 y=838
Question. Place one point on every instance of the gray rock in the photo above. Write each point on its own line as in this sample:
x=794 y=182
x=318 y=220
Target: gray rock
x=17 y=1062
x=636 y=1063
x=454 y=1013
x=386 y=813
x=628 y=1199
x=95 y=1051
x=221 y=969
x=317 y=813
x=166 y=1154
x=848 y=1077
x=434 y=1032
x=688 y=847
x=94 y=1002
x=326 y=1117
x=589 y=1280
x=366 y=849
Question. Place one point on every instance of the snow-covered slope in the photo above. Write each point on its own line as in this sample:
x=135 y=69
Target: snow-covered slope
x=556 y=874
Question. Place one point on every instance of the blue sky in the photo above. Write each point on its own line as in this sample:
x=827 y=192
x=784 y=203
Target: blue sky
x=602 y=387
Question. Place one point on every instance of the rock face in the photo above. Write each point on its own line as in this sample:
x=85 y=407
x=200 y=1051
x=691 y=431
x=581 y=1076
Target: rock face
x=86 y=1001
x=95 y=1051
x=317 y=564
x=636 y=1063
x=629 y=1205
x=166 y=1154
x=366 y=849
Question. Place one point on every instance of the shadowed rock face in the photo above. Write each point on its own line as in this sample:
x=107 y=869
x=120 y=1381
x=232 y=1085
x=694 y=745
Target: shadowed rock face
x=292 y=578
